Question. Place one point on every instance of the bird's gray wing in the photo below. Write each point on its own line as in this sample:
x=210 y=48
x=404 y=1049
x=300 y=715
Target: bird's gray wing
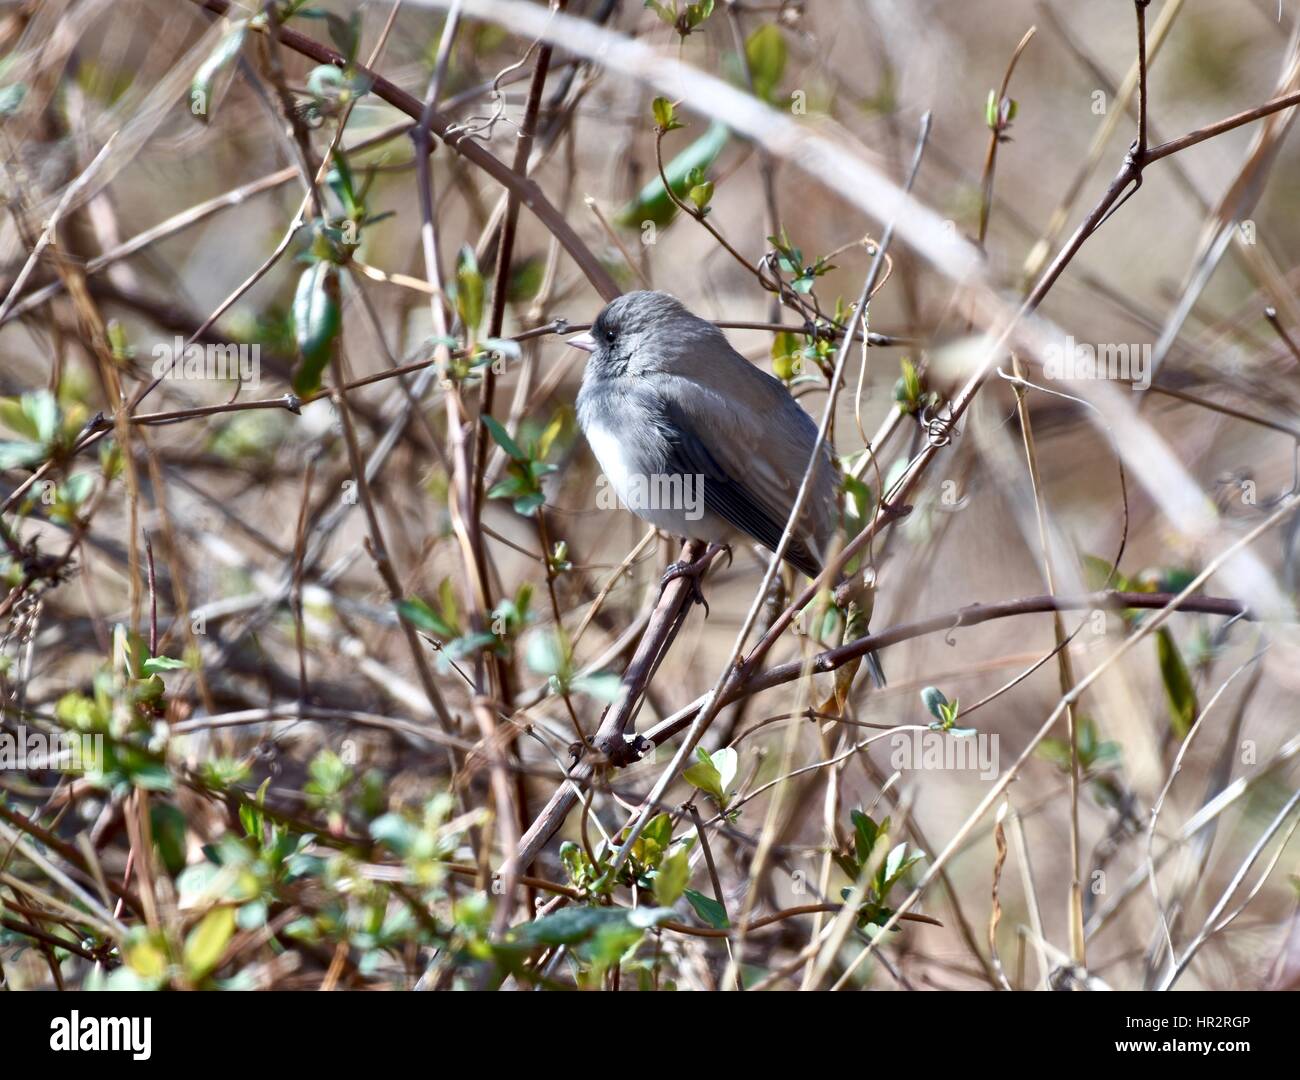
x=725 y=494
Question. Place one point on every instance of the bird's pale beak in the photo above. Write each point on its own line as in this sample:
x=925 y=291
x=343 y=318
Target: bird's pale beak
x=585 y=342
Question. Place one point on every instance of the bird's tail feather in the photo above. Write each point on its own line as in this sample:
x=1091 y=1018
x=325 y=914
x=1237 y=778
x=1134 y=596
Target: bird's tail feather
x=877 y=672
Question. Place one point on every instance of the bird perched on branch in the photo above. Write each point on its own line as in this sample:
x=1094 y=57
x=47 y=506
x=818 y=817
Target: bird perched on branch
x=695 y=439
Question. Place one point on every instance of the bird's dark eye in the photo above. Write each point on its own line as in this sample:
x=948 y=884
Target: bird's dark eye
x=610 y=336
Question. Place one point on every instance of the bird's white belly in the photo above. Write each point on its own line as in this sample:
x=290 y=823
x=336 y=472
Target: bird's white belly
x=669 y=502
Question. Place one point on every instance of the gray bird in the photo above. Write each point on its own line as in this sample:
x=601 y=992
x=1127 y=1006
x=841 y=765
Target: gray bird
x=669 y=407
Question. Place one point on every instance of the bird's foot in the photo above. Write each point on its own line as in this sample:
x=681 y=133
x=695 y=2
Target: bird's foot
x=714 y=549
x=694 y=571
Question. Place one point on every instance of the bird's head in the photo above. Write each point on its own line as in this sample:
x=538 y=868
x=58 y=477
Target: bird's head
x=640 y=331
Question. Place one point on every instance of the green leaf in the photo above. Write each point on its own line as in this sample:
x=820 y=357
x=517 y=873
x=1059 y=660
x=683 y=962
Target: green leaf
x=251 y=815
x=150 y=775
x=16 y=455
x=326 y=81
x=552 y=431
x=421 y=615
x=896 y=864
x=1174 y=580
x=252 y=916
x=129 y=651
x=340 y=181
x=207 y=941
x=198 y=884
x=991 y=109
x=526 y=277
x=146 y=955
x=653 y=203
x=765 y=52
x=11 y=97
x=14 y=416
x=662 y=10
x=665 y=114
x=705 y=775
x=672 y=877
x=697 y=13
x=701 y=194
x=655 y=839
x=1057 y=751
x=225 y=52
x=1180 y=695
x=604 y=686
x=575 y=862
x=708 y=909
x=948 y=712
x=118 y=341
x=77 y=489
x=894 y=860
x=907 y=391
x=858 y=503
x=658 y=831
x=252 y=819
x=317 y=320
x=933 y=699
x=727 y=762
x=787 y=355
x=527 y=505
x=569 y=926
x=329 y=773
x=611 y=945
x=469 y=290
x=345 y=33
x=447 y=605
x=394 y=831
x=521 y=485
x=1107 y=755
x=865 y=834
x=469 y=644
x=1097 y=574
x=546 y=654
x=42 y=410
x=169 y=826
x=156 y=665
x=502 y=438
